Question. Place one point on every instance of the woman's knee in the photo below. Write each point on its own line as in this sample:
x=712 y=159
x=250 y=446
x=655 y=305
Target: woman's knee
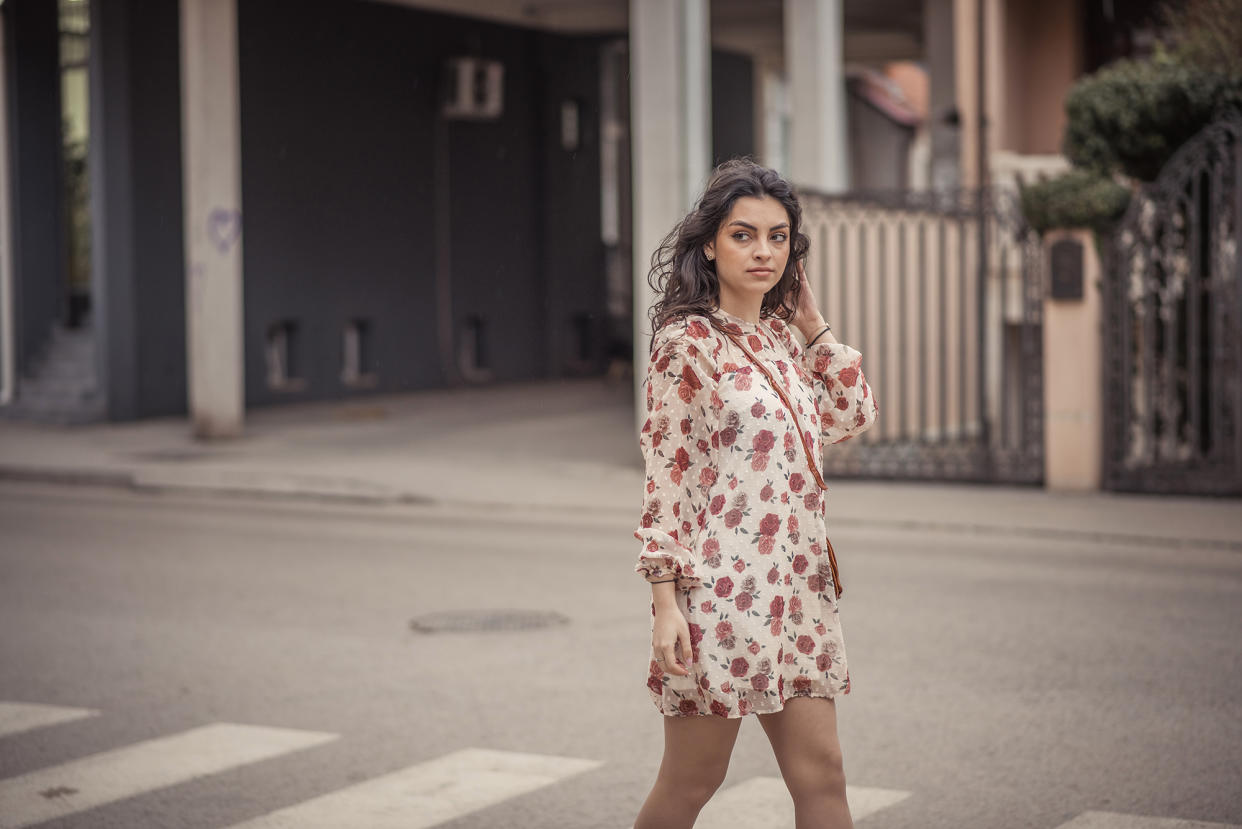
x=816 y=773
x=694 y=785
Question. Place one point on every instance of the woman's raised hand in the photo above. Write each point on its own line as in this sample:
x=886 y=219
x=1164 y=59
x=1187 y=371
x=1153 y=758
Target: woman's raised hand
x=807 y=317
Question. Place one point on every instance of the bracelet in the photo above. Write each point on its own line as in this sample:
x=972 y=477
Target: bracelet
x=661 y=581
x=817 y=336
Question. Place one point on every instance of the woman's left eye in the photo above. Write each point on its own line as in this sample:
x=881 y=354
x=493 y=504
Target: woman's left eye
x=779 y=237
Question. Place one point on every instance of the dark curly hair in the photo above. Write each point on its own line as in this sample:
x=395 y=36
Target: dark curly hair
x=685 y=279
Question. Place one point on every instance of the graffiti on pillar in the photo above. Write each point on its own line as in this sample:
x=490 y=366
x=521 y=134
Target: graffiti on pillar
x=224 y=228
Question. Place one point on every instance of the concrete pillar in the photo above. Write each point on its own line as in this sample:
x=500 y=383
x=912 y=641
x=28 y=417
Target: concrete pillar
x=938 y=29
x=111 y=170
x=670 y=116
x=1073 y=397
x=819 y=150
x=211 y=167
x=8 y=318
x=37 y=241
x=966 y=64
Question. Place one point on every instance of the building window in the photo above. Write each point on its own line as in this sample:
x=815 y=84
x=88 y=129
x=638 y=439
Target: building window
x=283 y=357
x=472 y=355
x=571 y=129
x=358 y=355
x=580 y=357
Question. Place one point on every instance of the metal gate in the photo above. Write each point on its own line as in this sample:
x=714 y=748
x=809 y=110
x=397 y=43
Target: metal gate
x=1173 y=308
x=949 y=322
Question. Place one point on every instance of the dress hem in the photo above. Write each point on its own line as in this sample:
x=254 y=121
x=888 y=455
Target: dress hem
x=733 y=715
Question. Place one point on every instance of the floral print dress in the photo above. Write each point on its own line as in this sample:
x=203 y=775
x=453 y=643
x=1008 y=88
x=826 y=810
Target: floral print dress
x=730 y=510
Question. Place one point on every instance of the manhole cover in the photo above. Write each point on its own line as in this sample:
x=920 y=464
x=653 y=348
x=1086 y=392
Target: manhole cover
x=466 y=621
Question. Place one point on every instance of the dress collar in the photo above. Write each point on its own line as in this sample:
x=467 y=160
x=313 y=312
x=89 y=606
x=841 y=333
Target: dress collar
x=744 y=324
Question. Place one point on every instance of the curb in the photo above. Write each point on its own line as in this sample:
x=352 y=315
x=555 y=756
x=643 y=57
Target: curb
x=1049 y=533
x=295 y=488
x=140 y=481
x=74 y=477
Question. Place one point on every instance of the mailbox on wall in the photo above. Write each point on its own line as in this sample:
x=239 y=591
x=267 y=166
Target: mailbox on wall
x=1066 y=281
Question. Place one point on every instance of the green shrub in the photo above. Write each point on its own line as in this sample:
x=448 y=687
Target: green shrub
x=1132 y=116
x=1079 y=198
x=1206 y=33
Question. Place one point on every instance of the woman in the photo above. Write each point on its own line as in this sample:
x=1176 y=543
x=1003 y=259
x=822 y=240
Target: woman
x=743 y=582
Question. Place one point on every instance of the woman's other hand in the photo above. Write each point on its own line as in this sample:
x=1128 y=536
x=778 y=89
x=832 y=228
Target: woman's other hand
x=668 y=631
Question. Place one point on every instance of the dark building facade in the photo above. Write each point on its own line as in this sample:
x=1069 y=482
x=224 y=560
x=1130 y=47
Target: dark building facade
x=388 y=246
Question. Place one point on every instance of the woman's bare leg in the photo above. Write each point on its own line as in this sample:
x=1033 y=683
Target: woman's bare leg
x=696 y=756
x=804 y=738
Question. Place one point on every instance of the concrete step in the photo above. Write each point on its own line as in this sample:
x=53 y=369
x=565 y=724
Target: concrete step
x=42 y=397
x=61 y=375
x=61 y=386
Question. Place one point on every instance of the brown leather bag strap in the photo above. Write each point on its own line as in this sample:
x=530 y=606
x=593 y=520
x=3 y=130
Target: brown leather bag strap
x=832 y=562
x=814 y=467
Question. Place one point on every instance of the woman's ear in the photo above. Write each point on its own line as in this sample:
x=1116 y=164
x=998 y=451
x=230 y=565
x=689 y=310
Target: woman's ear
x=709 y=250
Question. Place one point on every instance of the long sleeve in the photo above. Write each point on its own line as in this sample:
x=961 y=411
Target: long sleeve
x=676 y=442
x=845 y=404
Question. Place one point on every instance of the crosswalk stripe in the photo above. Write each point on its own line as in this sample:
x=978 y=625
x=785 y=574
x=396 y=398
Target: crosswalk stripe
x=1115 y=820
x=142 y=767
x=428 y=793
x=16 y=717
x=867 y=800
x=764 y=803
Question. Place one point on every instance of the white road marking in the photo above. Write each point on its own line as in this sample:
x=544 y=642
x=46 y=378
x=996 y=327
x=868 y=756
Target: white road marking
x=16 y=717
x=764 y=803
x=866 y=800
x=428 y=793
x=142 y=767
x=1114 y=820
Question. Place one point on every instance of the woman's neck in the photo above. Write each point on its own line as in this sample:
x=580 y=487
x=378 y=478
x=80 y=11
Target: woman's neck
x=746 y=310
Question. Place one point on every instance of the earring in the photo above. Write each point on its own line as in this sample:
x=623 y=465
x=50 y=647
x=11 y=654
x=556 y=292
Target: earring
x=711 y=256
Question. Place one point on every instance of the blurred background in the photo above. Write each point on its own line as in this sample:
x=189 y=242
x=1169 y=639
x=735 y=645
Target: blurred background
x=320 y=318
x=446 y=194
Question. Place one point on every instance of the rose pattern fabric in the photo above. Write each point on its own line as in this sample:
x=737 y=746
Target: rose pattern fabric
x=731 y=511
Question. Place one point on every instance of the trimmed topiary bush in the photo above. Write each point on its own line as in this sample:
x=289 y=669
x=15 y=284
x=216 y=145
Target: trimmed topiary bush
x=1079 y=198
x=1131 y=116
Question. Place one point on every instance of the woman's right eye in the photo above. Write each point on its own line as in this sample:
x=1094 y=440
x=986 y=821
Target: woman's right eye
x=740 y=233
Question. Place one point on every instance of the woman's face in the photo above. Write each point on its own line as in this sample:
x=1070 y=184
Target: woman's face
x=751 y=250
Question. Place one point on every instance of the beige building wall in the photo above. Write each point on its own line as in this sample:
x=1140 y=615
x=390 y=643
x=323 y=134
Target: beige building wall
x=1033 y=56
x=1041 y=57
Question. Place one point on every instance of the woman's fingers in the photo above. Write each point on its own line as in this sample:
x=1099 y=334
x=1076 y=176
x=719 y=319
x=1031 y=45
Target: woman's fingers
x=670 y=661
x=670 y=634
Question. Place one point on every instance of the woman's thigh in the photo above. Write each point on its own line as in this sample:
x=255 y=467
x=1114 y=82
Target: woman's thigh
x=697 y=749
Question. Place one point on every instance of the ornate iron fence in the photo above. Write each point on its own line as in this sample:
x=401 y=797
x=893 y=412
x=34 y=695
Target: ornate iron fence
x=942 y=296
x=1173 y=310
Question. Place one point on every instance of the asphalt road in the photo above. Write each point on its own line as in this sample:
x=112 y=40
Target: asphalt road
x=998 y=681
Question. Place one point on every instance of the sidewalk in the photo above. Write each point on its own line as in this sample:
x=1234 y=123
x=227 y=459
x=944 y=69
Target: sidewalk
x=541 y=448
